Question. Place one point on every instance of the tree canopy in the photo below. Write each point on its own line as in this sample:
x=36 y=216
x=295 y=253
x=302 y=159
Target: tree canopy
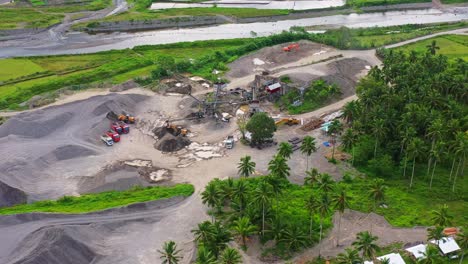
x=261 y=126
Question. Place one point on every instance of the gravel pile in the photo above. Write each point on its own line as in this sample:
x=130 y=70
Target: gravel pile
x=10 y=196
x=170 y=143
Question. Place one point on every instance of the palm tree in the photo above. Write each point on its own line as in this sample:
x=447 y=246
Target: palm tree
x=379 y=130
x=348 y=140
x=312 y=177
x=431 y=256
x=415 y=149
x=312 y=205
x=350 y=111
x=204 y=256
x=436 y=233
x=204 y=232
x=442 y=217
x=432 y=48
x=325 y=183
x=261 y=196
x=434 y=131
x=279 y=167
x=436 y=155
x=230 y=256
x=462 y=239
x=307 y=148
x=460 y=148
x=294 y=238
x=277 y=226
x=377 y=192
x=227 y=189
x=221 y=236
x=285 y=150
x=323 y=208
x=170 y=253
x=212 y=196
x=365 y=242
x=240 y=194
x=350 y=256
x=243 y=228
x=334 y=129
x=407 y=135
x=246 y=166
x=341 y=202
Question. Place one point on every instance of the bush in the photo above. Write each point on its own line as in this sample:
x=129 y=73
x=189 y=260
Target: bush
x=382 y=166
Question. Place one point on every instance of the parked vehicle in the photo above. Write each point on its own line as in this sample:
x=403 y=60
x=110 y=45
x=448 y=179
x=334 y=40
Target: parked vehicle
x=116 y=127
x=107 y=140
x=229 y=142
x=125 y=127
x=113 y=135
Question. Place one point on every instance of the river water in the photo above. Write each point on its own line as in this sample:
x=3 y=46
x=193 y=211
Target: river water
x=73 y=42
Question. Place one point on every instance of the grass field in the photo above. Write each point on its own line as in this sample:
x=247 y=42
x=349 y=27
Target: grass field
x=101 y=201
x=452 y=46
x=361 y=3
x=12 y=18
x=412 y=207
x=14 y=68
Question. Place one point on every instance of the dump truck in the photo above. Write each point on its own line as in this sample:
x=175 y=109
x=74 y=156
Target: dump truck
x=229 y=142
x=125 y=127
x=107 y=140
x=113 y=135
x=289 y=121
x=116 y=127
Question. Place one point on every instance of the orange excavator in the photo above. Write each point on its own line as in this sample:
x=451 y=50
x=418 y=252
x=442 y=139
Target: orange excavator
x=289 y=121
x=291 y=47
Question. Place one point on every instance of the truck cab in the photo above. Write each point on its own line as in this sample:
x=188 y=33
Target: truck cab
x=113 y=135
x=125 y=127
x=107 y=140
x=229 y=142
x=116 y=127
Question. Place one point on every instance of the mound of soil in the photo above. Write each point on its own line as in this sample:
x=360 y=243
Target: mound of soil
x=181 y=89
x=344 y=74
x=36 y=124
x=10 y=196
x=119 y=104
x=270 y=57
x=54 y=245
x=170 y=143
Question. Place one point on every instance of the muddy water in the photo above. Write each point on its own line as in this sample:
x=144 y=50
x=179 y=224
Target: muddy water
x=73 y=42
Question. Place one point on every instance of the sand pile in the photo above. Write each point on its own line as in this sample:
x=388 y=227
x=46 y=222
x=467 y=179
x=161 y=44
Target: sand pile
x=10 y=196
x=54 y=245
x=171 y=143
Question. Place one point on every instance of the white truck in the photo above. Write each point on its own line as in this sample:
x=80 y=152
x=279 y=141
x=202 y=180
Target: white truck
x=229 y=142
x=108 y=140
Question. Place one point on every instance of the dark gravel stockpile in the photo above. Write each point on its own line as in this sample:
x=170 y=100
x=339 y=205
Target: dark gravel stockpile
x=10 y=196
x=36 y=124
x=170 y=143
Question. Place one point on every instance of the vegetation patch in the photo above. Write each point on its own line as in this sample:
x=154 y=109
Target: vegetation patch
x=452 y=46
x=101 y=201
x=13 y=18
x=362 y=3
x=316 y=95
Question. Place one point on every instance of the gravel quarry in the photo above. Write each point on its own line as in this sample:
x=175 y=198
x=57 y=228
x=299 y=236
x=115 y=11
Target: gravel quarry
x=56 y=151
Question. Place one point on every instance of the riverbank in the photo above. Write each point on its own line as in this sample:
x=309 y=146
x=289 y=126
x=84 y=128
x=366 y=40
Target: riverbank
x=195 y=17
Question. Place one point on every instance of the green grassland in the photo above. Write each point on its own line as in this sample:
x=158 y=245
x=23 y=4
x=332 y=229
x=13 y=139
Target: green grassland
x=13 y=68
x=101 y=201
x=361 y=3
x=452 y=46
x=12 y=18
x=412 y=207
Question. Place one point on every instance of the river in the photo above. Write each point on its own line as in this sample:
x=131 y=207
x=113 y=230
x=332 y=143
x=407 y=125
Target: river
x=75 y=42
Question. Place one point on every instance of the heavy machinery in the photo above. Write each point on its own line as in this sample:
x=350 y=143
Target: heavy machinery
x=129 y=119
x=113 y=135
x=116 y=127
x=229 y=142
x=125 y=127
x=107 y=140
x=289 y=121
x=124 y=117
x=294 y=46
x=176 y=129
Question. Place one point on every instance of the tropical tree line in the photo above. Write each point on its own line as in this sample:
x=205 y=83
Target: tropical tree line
x=411 y=111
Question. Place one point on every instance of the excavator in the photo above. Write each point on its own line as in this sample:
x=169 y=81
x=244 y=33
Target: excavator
x=124 y=117
x=175 y=129
x=291 y=47
x=289 y=121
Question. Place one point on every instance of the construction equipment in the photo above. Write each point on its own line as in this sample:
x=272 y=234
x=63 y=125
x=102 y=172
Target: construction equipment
x=113 y=135
x=176 y=129
x=313 y=124
x=116 y=127
x=294 y=46
x=126 y=118
x=125 y=127
x=289 y=121
x=108 y=140
x=229 y=142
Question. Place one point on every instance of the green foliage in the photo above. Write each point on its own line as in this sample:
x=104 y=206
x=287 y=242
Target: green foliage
x=453 y=46
x=362 y=3
x=100 y=201
x=261 y=126
x=318 y=94
x=170 y=253
x=13 y=18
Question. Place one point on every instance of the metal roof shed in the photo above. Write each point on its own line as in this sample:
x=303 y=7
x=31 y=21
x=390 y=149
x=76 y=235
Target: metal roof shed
x=418 y=251
x=447 y=245
x=395 y=258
